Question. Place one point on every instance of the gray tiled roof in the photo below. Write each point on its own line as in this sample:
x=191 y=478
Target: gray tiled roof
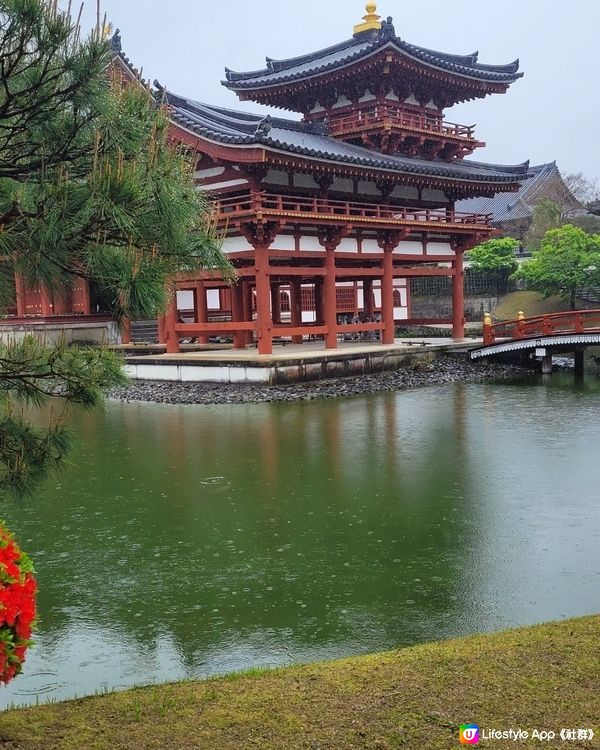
x=309 y=139
x=340 y=55
x=514 y=206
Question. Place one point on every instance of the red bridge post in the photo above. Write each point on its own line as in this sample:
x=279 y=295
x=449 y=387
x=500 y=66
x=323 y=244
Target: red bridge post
x=488 y=331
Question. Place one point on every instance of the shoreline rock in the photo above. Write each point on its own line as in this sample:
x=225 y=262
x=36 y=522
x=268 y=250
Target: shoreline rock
x=444 y=370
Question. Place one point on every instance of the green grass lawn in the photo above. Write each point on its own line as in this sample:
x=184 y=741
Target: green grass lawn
x=531 y=303
x=545 y=677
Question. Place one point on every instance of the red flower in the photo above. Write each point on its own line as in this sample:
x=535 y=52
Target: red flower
x=17 y=605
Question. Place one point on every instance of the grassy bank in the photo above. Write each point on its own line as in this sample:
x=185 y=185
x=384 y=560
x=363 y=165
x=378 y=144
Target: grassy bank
x=545 y=677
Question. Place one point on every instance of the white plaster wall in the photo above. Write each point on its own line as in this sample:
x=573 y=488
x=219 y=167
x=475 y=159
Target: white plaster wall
x=217 y=185
x=348 y=245
x=284 y=242
x=367 y=188
x=439 y=248
x=371 y=246
x=367 y=97
x=409 y=248
x=341 y=185
x=404 y=191
x=277 y=177
x=185 y=300
x=212 y=299
x=342 y=102
x=52 y=334
x=305 y=181
x=434 y=195
x=310 y=244
x=235 y=245
x=204 y=174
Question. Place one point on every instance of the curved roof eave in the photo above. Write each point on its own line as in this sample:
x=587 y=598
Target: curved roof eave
x=343 y=55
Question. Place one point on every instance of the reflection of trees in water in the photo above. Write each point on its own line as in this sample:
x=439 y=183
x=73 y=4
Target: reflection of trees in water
x=314 y=523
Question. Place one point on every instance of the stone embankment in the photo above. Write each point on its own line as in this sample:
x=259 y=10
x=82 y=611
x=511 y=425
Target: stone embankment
x=445 y=369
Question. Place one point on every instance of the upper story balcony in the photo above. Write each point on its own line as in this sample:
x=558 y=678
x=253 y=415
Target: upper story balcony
x=392 y=130
x=237 y=210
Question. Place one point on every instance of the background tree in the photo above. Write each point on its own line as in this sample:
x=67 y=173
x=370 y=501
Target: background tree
x=90 y=187
x=547 y=215
x=577 y=203
x=495 y=255
x=568 y=260
x=582 y=188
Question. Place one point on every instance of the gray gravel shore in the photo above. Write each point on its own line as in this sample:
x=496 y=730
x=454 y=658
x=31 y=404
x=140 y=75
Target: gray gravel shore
x=445 y=369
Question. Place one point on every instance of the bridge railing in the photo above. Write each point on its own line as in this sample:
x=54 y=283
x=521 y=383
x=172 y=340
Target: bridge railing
x=580 y=321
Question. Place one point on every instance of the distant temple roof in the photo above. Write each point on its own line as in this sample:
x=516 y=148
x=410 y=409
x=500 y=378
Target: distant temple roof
x=311 y=139
x=541 y=181
x=362 y=45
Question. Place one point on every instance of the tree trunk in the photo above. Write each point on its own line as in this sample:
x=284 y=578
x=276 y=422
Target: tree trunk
x=574 y=298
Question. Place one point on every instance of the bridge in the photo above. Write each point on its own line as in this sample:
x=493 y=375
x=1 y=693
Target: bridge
x=543 y=336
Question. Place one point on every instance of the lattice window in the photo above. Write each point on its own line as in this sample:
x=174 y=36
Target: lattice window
x=346 y=298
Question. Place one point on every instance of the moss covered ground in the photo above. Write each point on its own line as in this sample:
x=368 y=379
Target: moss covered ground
x=545 y=677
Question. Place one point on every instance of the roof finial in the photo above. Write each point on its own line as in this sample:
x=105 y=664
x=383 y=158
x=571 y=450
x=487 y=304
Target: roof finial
x=370 y=21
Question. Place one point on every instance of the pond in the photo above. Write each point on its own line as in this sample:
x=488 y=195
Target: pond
x=182 y=542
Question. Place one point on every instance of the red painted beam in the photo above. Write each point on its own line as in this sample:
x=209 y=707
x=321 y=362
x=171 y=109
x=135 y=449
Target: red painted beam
x=187 y=329
x=307 y=330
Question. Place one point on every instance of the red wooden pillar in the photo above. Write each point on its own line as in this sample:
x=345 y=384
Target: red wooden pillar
x=61 y=302
x=20 y=296
x=276 y=303
x=368 y=301
x=162 y=335
x=46 y=301
x=201 y=310
x=171 y=321
x=264 y=321
x=319 y=303
x=458 y=297
x=296 y=308
x=85 y=297
x=387 y=295
x=247 y=307
x=126 y=337
x=237 y=315
x=125 y=324
x=330 y=298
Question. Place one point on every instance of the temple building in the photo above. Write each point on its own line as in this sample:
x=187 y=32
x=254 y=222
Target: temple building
x=512 y=213
x=326 y=217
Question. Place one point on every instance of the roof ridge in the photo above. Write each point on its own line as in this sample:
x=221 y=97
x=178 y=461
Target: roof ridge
x=281 y=71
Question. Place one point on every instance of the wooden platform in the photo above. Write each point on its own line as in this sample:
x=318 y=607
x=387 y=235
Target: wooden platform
x=288 y=363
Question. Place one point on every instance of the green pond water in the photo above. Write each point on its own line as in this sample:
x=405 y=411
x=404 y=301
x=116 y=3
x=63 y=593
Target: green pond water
x=182 y=542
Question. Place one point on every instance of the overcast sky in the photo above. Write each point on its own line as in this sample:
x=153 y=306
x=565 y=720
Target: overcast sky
x=551 y=114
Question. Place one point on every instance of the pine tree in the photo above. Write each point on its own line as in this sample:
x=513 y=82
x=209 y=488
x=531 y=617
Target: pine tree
x=90 y=187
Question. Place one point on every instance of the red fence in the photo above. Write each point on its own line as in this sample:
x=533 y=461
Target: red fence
x=582 y=321
x=382 y=115
x=240 y=206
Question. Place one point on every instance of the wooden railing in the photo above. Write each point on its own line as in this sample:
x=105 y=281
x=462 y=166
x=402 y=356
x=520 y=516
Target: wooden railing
x=280 y=205
x=383 y=115
x=582 y=321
